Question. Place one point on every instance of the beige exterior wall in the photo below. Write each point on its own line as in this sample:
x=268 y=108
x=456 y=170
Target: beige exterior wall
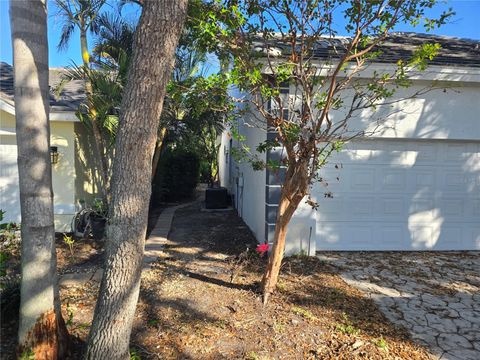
x=87 y=182
x=63 y=136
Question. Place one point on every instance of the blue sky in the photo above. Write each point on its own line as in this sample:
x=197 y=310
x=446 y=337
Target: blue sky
x=464 y=24
x=56 y=58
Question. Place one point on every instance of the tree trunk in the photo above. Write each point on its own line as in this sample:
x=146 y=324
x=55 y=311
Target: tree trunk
x=158 y=151
x=92 y=114
x=41 y=329
x=155 y=42
x=293 y=191
x=286 y=209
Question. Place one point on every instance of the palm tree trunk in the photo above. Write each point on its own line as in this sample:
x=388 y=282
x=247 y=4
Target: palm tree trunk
x=97 y=133
x=41 y=329
x=155 y=42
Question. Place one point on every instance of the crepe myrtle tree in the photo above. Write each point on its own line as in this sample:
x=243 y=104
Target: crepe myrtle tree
x=273 y=44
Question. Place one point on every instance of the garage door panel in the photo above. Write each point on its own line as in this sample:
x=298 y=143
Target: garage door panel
x=423 y=178
x=474 y=237
x=393 y=179
x=459 y=152
x=402 y=195
x=363 y=180
x=361 y=236
x=453 y=207
x=333 y=180
x=393 y=236
x=392 y=207
x=361 y=206
x=475 y=204
x=426 y=153
x=451 y=238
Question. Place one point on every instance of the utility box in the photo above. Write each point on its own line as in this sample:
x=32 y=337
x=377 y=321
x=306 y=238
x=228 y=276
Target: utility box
x=216 y=198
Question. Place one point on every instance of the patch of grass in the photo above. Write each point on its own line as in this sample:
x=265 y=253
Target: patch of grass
x=381 y=343
x=252 y=355
x=84 y=325
x=281 y=286
x=348 y=329
x=153 y=322
x=278 y=328
x=70 y=314
x=222 y=324
x=134 y=355
x=347 y=326
x=303 y=312
x=27 y=355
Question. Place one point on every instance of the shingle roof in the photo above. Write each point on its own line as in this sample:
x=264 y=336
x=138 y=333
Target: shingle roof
x=72 y=94
x=454 y=51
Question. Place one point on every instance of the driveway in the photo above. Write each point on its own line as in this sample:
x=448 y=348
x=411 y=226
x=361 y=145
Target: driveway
x=435 y=295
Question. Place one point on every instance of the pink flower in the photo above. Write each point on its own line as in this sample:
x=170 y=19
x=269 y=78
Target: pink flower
x=262 y=248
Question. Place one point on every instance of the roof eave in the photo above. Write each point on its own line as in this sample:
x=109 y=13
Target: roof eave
x=55 y=115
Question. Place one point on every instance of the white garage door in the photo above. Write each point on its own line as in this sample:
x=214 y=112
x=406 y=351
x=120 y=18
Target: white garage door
x=9 y=192
x=401 y=195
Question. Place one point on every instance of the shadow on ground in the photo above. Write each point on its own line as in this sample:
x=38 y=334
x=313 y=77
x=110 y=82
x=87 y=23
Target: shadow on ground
x=201 y=301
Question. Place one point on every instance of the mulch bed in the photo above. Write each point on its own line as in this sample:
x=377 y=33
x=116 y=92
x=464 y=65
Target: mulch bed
x=201 y=300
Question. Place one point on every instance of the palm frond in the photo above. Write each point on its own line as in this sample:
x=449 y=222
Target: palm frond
x=68 y=29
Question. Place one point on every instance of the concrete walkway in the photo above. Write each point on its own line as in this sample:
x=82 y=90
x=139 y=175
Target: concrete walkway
x=153 y=248
x=159 y=234
x=436 y=296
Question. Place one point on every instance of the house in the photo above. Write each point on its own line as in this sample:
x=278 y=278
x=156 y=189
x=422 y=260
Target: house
x=414 y=184
x=72 y=176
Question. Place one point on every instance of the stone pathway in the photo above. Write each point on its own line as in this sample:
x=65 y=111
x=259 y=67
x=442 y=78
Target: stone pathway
x=436 y=296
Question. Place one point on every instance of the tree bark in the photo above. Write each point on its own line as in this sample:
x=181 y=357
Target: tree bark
x=155 y=42
x=293 y=191
x=41 y=329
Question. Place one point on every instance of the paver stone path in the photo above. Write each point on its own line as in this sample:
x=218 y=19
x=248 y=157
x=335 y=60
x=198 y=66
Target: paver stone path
x=435 y=295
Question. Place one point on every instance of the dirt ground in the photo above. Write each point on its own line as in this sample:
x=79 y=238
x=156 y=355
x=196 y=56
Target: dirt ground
x=191 y=309
x=201 y=301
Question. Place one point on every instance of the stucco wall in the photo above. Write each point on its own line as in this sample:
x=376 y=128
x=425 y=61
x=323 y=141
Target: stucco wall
x=87 y=181
x=449 y=113
x=9 y=196
x=62 y=136
x=63 y=173
x=247 y=185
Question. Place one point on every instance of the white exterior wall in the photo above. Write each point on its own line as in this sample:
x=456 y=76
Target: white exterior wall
x=451 y=113
x=442 y=124
x=247 y=185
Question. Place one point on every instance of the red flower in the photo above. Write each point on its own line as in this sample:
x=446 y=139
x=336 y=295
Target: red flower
x=262 y=248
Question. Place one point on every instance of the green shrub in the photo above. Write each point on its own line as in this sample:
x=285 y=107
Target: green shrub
x=177 y=176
